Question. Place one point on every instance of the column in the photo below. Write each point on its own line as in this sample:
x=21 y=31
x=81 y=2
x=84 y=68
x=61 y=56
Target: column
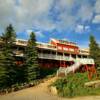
x=63 y=56
x=56 y=55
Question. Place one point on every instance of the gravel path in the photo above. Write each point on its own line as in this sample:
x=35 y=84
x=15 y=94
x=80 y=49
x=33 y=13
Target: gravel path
x=40 y=92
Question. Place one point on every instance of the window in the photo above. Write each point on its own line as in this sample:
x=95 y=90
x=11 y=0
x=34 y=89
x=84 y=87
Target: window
x=65 y=48
x=71 y=49
x=59 y=47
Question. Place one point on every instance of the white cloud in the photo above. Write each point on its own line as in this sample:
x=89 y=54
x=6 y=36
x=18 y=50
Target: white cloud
x=29 y=14
x=96 y=19
x=33 y=12
x=79 y=28
x=97 y=6
x=44 y=23
x=7 y=12
x=87 y=28
x=66 y=20
x=29 y=31
x=26 y=14
x=39 y=34
x=30 y=9
x=85 y=12
x=64 y=4
x=82 y=29
x=97 y=11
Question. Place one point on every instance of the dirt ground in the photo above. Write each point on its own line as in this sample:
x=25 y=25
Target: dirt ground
x=40 y=92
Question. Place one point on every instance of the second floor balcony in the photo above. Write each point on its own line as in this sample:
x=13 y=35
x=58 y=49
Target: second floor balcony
x=66 y=58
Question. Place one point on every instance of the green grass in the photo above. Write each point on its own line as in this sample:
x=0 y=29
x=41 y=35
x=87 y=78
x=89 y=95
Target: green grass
x=73 y=85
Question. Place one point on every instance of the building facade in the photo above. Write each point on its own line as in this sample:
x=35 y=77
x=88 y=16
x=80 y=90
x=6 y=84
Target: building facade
x=55 y=53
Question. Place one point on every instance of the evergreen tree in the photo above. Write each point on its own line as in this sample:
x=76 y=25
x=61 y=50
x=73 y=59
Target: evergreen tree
x=94 y=51
x=8 y=39
x=2 y=71
x=31 y=62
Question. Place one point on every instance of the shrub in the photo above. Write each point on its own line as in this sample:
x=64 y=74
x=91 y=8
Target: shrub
x=73 y=85
x=46 y=72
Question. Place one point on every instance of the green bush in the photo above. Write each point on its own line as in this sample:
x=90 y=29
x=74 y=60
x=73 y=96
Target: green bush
x=45 y=72
x=73 y=85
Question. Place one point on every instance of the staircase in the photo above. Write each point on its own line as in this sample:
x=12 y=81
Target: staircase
x=78 y=62
x=64 y=71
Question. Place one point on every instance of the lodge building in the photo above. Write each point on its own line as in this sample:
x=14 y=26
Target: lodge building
x=55 y=53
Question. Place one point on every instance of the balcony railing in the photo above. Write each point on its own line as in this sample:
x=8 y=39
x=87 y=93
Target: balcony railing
x=19 y=53
x=85 y=60
x=84 y=53
x=66 y=58
x=61 y=57
x=50 y=56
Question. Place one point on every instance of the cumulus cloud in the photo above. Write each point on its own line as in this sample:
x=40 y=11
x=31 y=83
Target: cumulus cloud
x=85 y=12
x=34 y=13
x=97 y=6
x=39 y=34
x=7 y=12
x=45 y=15
x=25 y=14
x=29 y=31
x=96 y=19
x=82 y=29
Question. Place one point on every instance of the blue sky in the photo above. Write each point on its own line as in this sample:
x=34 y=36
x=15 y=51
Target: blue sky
x=73 y=20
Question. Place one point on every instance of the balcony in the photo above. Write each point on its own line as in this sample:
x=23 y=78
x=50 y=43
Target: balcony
x=55 y=57
x=50 y=56
x=66 y=58
x=21 y=42
x=19 y=53
x=84 y=51
x=85 y=60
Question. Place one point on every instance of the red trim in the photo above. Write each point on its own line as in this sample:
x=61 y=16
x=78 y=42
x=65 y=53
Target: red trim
x=69 y=48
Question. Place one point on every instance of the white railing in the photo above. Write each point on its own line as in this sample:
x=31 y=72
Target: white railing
x=84 y=53
x=51 y=56
x=85 y=60
x=19 y=53
x=56 y=57
x=69 y=69
x=66 y=58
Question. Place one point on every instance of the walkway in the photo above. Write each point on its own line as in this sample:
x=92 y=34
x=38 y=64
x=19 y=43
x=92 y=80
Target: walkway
x=40 y=92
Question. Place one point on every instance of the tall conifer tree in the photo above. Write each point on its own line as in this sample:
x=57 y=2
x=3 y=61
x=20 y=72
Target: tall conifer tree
x=8 y=38
x=2 y=71
x=94 y=51
x=31 y=56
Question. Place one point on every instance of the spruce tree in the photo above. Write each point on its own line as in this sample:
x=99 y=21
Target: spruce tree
x=8 y=38
x=2 y=71
x=31 y=59
x=94 y=51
